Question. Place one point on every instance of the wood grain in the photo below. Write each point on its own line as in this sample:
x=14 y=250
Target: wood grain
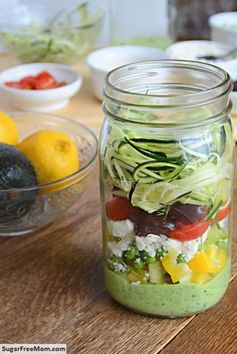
x=52 y=291
x=214 y=332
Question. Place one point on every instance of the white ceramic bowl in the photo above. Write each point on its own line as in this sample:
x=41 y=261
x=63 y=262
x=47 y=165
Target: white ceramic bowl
x=224 y=27
x=193 y=49
x=231 y=67
x=233 y=97
x=41 y=100
x=104 y=60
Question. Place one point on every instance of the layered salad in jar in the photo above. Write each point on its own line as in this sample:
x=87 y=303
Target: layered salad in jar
x=166 y=223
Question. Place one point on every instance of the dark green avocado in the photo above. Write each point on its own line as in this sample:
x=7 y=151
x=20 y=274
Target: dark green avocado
x=15 y=172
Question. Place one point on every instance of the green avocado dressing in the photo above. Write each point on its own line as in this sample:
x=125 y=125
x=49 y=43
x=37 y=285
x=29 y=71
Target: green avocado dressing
x=167 y=300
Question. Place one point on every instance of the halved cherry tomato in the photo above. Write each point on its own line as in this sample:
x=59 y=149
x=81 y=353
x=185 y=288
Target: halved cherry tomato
x=45 y=81
x=13 y=84
x=222 y=214
x=28 y=83
x=62 y=83
x=119 y=208
x=190 y=231
x=42 y=81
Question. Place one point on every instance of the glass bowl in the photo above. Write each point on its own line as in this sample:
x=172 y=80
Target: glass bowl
x=24 y=210
x=50 y=31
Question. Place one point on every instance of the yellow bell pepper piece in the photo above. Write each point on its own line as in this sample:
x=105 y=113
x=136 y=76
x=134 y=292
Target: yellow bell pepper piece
x=178 y=272
x=133 y=277
x=212 y=260
x=156 y=272
x=211 y=251
x=222 y=257
x=218 y=263
x=138 y=275
x=200 y=263
x=200 y=278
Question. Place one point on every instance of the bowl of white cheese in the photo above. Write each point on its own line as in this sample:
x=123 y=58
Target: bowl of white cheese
x=194 y=50
x=224 y=27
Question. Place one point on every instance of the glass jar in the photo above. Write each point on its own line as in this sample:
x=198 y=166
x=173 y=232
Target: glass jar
x=166 y=166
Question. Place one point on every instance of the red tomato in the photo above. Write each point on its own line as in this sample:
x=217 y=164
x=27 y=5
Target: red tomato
x=119 y=208
x=222 y=214
x=62 y=83
x=13 y=84
x=44 y=81
x=27 y=83
x=190 y=231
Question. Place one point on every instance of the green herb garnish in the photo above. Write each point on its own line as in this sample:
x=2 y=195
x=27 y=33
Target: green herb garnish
x=181 y=258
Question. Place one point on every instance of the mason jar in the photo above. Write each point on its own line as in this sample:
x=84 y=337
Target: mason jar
x=166 y=167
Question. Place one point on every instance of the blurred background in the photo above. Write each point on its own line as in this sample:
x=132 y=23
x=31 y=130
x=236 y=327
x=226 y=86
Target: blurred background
x=192 y=16
x=189 y=17
x=72 y=31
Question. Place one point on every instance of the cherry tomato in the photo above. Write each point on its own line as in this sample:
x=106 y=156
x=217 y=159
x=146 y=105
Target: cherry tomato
x=222 y=214
x=62 y=83
x=27 y=83
x=190 y=231
x=44 y=81
x=119 y=208
x=13 y=84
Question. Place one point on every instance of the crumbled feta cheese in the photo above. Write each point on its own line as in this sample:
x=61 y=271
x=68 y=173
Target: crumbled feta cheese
x=136 y=283
x=118 y=267
x=151 y=243
x=147 y=275
x=122 y=228
x=116 y=248
x=193 y=51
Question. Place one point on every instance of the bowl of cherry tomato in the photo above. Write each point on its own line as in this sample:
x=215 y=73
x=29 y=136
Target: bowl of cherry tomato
x=40 y=87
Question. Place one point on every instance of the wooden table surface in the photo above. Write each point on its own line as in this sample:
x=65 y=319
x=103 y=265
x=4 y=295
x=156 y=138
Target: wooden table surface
x=52 y=291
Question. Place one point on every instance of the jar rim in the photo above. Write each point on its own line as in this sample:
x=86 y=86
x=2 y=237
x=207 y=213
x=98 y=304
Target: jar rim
x=180 y=63
x=202 y=96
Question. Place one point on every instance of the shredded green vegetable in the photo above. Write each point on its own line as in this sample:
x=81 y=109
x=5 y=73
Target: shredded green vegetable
x=155 y=41
x=63 y=39
x=155 y=172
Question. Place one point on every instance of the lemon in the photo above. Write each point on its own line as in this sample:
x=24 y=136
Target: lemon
x=8 y=130
x=53 y=154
